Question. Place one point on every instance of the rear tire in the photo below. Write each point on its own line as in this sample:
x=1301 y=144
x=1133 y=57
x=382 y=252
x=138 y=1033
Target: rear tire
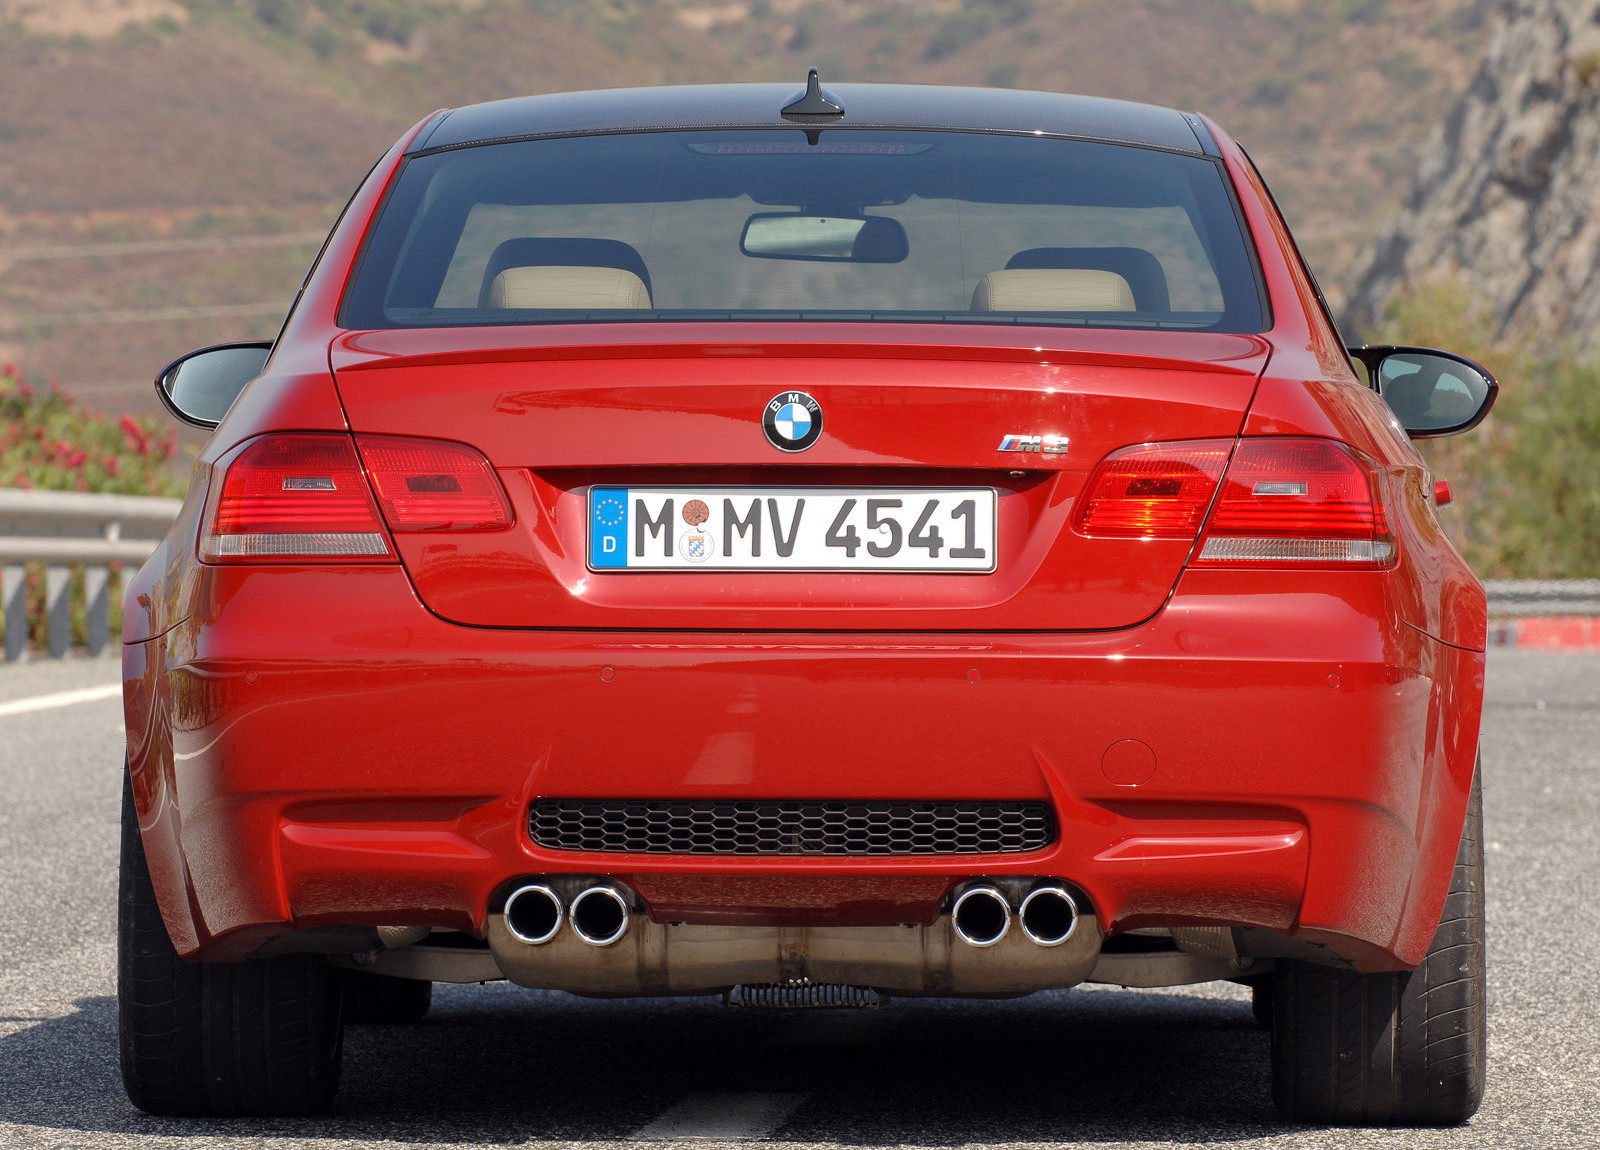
x=251 y=1038
x=384 y=1000
x=1261 y=995
x=1393 y=1049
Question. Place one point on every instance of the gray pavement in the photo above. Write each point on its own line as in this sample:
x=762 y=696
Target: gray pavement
x=498 y=1066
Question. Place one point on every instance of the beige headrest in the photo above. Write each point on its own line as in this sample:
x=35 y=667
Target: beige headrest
x=560 y=285
x=1052 y=289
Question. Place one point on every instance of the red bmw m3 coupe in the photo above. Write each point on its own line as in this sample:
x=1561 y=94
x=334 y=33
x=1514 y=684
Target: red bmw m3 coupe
x=812 y=547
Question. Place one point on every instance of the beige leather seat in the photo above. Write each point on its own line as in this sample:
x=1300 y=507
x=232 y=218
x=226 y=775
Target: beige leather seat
x=568 y=286
x=1053 y=289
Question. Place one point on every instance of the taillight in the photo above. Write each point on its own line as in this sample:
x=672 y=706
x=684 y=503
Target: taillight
x=434 y=485
x=292 y=497
x=1281 y=500
x=1297 y=501
x=1153 y=490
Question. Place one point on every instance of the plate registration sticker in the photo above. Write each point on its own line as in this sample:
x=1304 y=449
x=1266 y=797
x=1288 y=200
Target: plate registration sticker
x=926 y=529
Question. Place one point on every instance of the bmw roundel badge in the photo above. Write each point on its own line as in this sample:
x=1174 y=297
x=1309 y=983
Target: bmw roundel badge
x=792 y=421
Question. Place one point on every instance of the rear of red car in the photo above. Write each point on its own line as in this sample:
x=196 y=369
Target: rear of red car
x=678 y=549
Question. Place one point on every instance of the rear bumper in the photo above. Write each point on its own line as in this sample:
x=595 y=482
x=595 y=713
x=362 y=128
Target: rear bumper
x=313 y=748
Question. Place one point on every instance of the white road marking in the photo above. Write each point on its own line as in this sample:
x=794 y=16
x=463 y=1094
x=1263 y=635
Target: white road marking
x=60 y=699
x=712 y=1117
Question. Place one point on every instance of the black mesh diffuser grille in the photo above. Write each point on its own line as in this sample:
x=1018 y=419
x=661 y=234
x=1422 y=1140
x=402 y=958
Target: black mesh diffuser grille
x=680 y=827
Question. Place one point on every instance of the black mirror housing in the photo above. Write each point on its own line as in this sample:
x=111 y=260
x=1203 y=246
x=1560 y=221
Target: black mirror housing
x=1432 y=393
x=199 y=387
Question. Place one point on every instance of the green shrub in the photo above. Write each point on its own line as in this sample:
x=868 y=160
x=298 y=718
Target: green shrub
x=1274 y=91
x=391 y=23
x=1586 y=68
x=804 y=33
x=50 y=441
x=953 y=33
x=325 y=41
x=279 y=15
x=1527 y=504
x=1548 y=506
x=1012 y=12
x=1005 y=74
x=1370 y=12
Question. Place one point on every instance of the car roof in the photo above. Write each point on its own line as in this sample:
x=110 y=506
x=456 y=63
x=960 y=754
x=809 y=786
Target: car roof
x=743 y=106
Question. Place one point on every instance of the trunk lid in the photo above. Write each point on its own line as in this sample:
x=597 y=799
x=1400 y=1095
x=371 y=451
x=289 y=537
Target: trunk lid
x=565 y=414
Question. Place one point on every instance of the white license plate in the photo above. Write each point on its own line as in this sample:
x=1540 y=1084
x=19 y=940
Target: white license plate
x=936 y=529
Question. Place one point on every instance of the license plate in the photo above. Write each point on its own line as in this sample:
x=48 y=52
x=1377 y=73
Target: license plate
x=933 y=529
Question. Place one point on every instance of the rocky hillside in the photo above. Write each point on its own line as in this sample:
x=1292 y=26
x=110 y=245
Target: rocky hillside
x=1506 y=201
x=168 y=167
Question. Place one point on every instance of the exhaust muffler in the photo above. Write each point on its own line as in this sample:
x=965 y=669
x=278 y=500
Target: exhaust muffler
x=618 y=947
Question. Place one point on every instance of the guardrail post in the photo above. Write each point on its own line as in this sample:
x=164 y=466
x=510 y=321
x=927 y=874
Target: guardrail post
x=98 y=602
x=13 y=590
x=58 y=609
x=62 y=528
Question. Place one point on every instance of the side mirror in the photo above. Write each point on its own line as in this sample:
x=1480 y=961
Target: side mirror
x=200 y=387
x=1432 y=393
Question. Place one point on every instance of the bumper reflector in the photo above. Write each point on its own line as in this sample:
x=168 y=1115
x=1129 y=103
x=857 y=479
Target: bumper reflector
x=297 y=543
x=1241 y=549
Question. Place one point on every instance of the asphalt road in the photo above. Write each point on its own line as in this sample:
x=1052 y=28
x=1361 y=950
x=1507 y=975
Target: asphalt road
x=498 y=1066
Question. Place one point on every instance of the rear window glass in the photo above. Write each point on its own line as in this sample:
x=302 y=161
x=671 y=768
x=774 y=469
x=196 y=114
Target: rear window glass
x=865 y=225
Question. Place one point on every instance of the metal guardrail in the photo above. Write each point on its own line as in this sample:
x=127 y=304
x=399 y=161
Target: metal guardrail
x=1528 y=597
x=60 y=528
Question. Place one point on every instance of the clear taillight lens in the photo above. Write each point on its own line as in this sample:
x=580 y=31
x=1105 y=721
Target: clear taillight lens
x=289 y=498
x=1298 y=501
x=1153 y=490
x=434 y=485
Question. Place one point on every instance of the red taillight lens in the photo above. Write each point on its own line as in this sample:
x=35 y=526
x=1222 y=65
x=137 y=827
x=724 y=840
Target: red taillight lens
x=1153 y=490
x=1298 y=501
x=289 y=498
x=434 y=485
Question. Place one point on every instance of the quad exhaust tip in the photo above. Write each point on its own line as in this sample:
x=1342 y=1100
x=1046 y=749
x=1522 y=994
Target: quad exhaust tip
x=981 y=916
x=533 y=913
x=600 y=915
x=1048 y=916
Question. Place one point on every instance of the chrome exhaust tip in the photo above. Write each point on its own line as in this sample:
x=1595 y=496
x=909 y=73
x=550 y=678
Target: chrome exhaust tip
x=533 y=913
x=1049 y=915
x=981 y=916
x=600 y=915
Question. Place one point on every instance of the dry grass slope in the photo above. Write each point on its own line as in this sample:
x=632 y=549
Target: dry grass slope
x=141 y=122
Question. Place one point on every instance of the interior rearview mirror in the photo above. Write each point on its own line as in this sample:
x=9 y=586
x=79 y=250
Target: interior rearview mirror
x=1431 y=392
x=800 y=236
x=200 y=387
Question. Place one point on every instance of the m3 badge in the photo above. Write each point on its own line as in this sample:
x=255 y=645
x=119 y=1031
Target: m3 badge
x=1035 y=444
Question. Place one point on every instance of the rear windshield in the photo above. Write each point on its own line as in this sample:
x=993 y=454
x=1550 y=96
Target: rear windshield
x=862 y=225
